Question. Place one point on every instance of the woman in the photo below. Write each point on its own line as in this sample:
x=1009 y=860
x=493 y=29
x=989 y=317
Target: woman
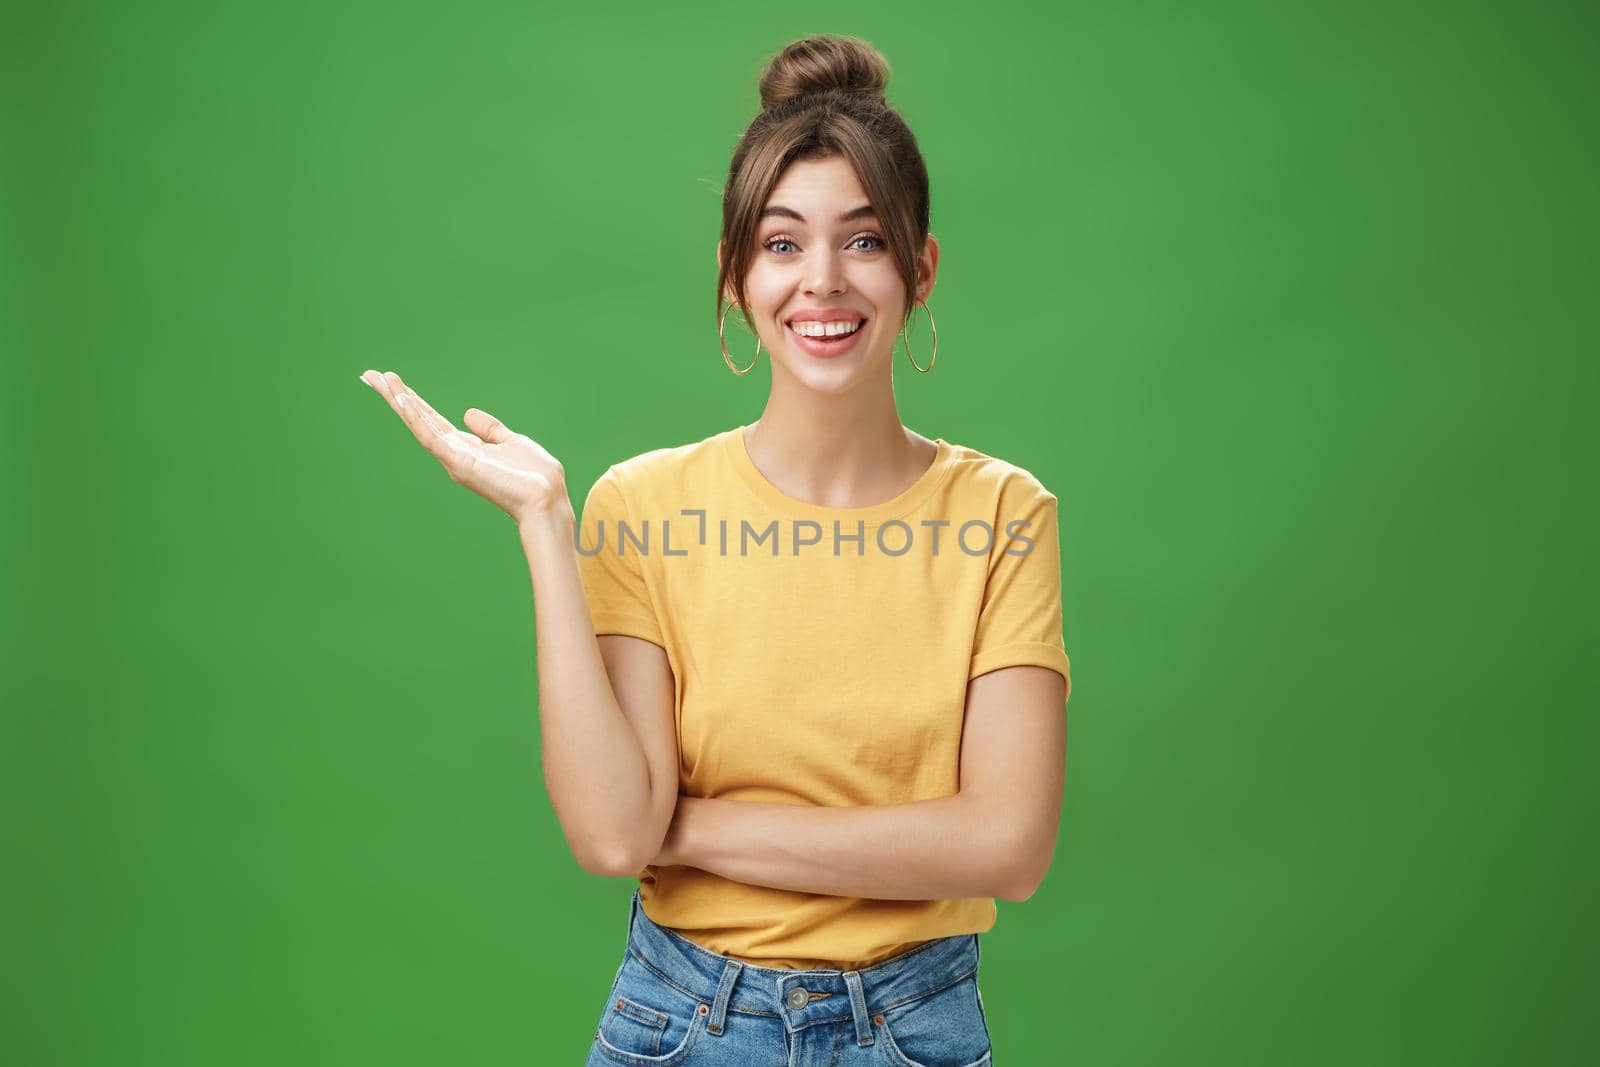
x=819 y=715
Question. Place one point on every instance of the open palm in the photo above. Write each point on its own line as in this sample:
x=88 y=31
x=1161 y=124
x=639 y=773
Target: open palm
x=510 y=470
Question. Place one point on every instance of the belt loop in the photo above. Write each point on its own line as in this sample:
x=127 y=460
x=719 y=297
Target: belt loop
x=719 y=1009
x=858 y=1007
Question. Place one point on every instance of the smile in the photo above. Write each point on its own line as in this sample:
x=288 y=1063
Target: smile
x=826 y=339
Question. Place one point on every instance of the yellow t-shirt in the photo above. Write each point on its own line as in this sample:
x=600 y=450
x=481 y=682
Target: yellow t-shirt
x=821 y=656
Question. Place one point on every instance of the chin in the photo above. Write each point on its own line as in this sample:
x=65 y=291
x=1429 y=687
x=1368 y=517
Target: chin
x=860 y=359
x=830 y=376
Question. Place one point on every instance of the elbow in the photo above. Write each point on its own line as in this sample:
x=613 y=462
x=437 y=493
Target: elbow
x=1025 y=867
x=609 y=859
x=623 y=859
x=627 y=857
x=1019 y=889
x=614 y=852
x=1021 y=842
x=609 y=863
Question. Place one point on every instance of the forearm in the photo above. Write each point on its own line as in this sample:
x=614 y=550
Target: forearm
x=947 y=848
x=594 y=766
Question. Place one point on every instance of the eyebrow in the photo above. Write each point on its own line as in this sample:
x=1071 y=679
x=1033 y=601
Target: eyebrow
x=864 y=211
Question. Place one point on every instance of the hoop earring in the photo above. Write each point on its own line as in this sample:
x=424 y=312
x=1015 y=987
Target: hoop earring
x=935 y=329
x=723 y=341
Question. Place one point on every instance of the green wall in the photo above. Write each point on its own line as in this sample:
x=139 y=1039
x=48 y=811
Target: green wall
x=1294 y=311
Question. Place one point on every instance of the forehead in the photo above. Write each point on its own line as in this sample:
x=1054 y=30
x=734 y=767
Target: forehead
x=819 y=188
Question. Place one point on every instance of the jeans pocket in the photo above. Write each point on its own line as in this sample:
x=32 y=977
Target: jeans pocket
x=945 y=1028
x=648 y=1021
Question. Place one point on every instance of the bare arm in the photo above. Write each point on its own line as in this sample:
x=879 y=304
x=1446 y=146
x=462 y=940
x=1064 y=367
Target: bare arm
x=605 y=704
x=947 y=848
x=994 y=837
x=597 y=698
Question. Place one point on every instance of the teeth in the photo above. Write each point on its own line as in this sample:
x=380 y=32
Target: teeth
x=824 y=329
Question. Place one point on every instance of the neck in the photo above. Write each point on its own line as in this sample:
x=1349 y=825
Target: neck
x=837 y=451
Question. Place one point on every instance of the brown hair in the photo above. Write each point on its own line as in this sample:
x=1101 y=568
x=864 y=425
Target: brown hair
x=823 y=96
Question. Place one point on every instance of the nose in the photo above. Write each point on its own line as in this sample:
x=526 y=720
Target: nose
x=825 y=274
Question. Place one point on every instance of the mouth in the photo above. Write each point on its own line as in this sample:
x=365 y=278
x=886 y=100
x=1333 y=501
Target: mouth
x=826 y=346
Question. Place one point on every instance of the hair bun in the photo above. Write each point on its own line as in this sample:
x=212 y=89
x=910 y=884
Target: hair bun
x=820 y=63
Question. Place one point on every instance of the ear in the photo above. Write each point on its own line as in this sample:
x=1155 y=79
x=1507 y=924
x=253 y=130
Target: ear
x=927 y=268
x=726 y=295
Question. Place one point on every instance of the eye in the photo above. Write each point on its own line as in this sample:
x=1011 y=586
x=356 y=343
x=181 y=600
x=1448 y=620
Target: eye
x=879 y=245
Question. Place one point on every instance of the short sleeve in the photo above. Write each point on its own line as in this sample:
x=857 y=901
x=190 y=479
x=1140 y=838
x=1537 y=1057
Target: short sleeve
x=1020 y=620
x=611 y=564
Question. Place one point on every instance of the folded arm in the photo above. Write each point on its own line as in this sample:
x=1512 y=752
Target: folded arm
x=994 y=838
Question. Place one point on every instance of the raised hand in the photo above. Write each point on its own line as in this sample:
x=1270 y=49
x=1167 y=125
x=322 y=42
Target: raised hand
x=510 y=470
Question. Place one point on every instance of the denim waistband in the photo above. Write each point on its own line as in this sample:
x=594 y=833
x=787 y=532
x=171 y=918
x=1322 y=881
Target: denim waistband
x=801 y=997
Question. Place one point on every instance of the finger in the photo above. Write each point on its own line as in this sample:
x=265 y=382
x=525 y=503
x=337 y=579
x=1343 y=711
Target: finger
x=487 y=426
x=424 y=410
x=396 y=398
x=456 y=451
x=434 y=432
x=380 y=382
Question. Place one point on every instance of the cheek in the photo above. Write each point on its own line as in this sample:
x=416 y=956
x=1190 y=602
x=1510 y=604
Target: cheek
x=765 y=288
x=883 y=287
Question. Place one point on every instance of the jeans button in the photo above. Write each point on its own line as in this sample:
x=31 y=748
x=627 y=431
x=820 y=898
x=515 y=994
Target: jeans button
x=798 y=997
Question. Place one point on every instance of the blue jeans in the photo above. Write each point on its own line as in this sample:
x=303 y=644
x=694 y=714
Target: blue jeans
x=676 y=1002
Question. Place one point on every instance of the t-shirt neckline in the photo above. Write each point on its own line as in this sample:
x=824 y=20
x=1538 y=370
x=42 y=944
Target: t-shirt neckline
x=791 y=507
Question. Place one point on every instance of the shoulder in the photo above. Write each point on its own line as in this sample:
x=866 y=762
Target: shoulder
x=985 y=475
x=665 y=469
